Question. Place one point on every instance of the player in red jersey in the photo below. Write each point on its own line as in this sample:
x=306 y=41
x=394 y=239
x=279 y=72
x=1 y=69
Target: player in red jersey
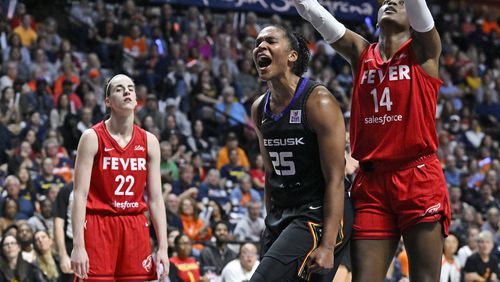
x=400 y=188
x=116 y=160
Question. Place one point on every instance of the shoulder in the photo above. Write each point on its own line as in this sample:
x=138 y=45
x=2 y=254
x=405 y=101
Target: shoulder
x=89 y=141
x=320 y=99
x=256 y=103
x=89 y=135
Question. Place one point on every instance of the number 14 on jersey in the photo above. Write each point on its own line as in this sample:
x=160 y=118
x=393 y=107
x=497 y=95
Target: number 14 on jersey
x=385 y=99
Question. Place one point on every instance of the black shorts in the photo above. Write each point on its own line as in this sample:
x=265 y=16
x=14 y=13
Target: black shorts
x=291 y=235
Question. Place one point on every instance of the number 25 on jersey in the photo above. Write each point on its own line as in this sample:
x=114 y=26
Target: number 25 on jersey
x=279 y=161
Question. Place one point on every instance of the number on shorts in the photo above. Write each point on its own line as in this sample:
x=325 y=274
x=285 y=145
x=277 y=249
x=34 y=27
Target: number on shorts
x=121 y=181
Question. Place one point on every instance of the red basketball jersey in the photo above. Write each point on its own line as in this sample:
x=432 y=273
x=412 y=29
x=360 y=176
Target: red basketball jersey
x=119 y=174
x=393 y=108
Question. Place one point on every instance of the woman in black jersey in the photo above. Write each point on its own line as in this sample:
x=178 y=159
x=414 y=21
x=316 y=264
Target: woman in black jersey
x=302 y=139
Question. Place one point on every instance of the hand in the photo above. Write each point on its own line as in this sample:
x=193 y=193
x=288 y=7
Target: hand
x=80 y=262
x=162 y=259
x=303 y=7
x=320 y=261
x=65 y=264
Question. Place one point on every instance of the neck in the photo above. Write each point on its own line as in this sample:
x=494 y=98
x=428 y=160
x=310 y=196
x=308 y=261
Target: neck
x=283 y=88
x=122 y=125
x=390 y=41
x=13 y=263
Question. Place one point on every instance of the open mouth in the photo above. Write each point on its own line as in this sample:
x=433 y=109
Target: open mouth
x=264 y=61
x=390 y=10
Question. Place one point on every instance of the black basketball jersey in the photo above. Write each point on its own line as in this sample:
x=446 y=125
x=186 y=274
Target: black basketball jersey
x=297 y=177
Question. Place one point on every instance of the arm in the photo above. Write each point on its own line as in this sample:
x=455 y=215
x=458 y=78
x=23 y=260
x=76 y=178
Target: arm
x=326 y=119
x=427 y=43
x=473 y=277
x=65 y=262
x=87 y=149
x=265 y=156
x=156 y=204
x=348 y=43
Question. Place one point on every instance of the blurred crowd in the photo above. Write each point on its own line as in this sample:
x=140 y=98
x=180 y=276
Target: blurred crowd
x=195 y=81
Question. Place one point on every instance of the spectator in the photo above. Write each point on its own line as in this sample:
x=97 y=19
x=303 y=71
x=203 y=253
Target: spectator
x=244 y=192
x=185 y=186
x=258 y=174
x=46 y=264
x=45 y=220
x=212 y=188
x=9 y=212
x=12 y=190
x=198 y=142
x=172 y=209
x=15 y=42
x=451 y=173
x=151 y=109
x=168 y=167
x=25 y=239
x=250 y=226
x=233 y=172
x=183 y=124
x=187 y=266
x=27 y=34
x=231 y=143
x=450 y=265
x=213 y=258
x=193 y=226
x=47 y=178
x=482 y=266
x=471 y=247
x=241 y=268
x=12 y=266
x=492 y=224
x=230 y=114
x=62 y=165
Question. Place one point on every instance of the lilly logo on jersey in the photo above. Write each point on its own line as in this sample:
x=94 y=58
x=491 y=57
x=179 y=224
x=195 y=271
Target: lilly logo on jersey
x=295 y=116
x=138 y=148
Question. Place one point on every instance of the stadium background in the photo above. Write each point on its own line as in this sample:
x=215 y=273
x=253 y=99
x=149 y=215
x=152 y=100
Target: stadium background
x=195 y=82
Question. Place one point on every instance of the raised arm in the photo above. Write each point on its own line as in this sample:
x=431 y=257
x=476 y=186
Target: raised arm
x=348 y=43
x=87 y=149
x=426 y=40
x=326 y=120
x=265 y=156
x=156 y=205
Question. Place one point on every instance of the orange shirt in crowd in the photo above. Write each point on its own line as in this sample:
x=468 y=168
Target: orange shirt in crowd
x=223 y=158
x=138 y=45
x=58 y=84
x=192 y=226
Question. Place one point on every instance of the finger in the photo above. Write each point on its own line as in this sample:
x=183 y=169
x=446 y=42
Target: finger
x=86 y=268
x=76 y=268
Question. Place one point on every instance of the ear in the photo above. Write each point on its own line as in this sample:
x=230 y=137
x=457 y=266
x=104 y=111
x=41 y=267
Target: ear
x=293 y=56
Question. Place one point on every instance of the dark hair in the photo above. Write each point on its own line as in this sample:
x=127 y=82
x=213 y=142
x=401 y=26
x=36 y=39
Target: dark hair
x=299 y=44
x=223 y=222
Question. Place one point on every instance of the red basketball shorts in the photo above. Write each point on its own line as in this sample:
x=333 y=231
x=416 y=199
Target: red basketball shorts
x=118 y=248
x=387 y=202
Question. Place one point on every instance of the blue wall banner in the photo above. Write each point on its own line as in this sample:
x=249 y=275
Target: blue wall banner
x=342 y=9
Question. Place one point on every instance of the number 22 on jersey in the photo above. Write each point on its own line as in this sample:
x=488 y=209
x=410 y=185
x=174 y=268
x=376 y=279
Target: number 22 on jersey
x=121 y=180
